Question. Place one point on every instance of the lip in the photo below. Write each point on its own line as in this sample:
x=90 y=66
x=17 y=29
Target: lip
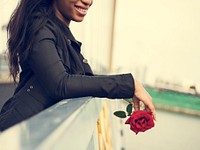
x=81 y=10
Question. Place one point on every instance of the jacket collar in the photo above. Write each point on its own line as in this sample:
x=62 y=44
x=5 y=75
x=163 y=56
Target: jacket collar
x=66 y=30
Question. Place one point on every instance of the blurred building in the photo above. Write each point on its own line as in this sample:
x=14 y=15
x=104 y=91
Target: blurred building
x=95 y=32
x=6 y=9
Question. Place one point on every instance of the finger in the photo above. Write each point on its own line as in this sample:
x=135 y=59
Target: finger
x=154 y=114
x=146 y=108
x=136 y=104
x=152 y=110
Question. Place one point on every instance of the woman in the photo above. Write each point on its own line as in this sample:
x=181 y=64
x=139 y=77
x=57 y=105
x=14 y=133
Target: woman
x=42 y=48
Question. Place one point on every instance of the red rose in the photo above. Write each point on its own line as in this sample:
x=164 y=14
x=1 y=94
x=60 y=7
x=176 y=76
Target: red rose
x=140 y=121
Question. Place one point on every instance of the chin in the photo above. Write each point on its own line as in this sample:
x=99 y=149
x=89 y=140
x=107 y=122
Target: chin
x=79 y=19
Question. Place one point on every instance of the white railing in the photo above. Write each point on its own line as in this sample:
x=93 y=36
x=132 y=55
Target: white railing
x=70 y=124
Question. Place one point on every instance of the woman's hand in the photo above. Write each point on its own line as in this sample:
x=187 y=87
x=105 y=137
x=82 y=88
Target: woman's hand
x=142 y=95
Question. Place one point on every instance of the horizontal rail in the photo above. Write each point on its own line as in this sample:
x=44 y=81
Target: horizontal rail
x=70 y=124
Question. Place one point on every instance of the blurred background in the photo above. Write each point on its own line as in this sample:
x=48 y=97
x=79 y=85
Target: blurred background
x=158 y=41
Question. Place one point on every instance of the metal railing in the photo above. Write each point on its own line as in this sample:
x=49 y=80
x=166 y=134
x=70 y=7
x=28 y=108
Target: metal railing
x=70 y=124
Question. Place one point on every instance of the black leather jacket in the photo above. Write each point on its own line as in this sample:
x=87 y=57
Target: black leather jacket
x=56 y=70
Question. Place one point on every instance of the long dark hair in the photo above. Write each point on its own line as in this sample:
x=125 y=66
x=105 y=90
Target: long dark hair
x=21 y=29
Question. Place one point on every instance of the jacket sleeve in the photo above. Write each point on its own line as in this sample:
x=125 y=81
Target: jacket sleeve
x=50 y=72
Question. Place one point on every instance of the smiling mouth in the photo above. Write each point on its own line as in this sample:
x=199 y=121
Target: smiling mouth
x=82 y=11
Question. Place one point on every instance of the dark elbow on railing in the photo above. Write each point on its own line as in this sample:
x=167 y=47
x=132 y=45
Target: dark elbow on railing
x=57 y=91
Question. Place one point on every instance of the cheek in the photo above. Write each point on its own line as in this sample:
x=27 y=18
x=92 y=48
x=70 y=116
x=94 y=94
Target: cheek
x=64 y=8
x=67 y=13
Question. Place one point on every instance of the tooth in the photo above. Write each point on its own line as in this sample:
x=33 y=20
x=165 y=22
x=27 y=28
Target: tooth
x=83 y=10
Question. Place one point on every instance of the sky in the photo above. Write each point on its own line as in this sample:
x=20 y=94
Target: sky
x=159 y=39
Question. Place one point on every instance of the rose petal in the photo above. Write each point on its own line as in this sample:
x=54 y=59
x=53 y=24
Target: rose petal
x=138 y=126
x=143 y=122
x=140 y=121
x=134 y=129
x=128 y=120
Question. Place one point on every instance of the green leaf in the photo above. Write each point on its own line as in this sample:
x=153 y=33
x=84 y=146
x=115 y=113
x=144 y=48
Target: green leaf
x=129 y=109
x=120 y=114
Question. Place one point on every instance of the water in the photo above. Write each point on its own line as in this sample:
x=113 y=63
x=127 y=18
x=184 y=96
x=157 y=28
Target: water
x=172 y=132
